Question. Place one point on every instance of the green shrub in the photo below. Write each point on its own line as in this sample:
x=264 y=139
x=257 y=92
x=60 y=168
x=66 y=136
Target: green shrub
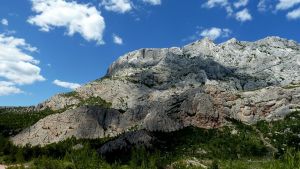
x=96 y=101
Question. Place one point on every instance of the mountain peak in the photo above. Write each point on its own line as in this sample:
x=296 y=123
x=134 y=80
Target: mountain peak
x=201 y=84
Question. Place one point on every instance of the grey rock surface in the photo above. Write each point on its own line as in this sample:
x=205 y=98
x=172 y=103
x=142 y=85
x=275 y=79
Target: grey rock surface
x=200 y=84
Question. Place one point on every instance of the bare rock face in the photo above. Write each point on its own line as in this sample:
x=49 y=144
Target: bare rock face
x=200 y=84
x=83 y=122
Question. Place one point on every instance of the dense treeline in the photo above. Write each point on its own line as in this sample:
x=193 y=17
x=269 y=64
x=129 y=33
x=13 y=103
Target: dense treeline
x=238 y=146
x=12 y=122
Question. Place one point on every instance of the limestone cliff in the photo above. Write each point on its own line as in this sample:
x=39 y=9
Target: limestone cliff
x=201 y=84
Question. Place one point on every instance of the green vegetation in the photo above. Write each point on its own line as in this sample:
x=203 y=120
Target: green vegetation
x=282 y=134
x=71 y=94
x=12 y=122
x=237 y=146
x=95 y=101
x=91 y=101
x=291 y=86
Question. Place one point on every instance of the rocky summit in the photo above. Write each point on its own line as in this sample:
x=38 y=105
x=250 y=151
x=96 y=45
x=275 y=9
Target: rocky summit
x=202 y=84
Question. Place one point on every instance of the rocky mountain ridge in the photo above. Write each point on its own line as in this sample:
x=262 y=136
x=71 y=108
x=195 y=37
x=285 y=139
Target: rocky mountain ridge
x=201 y=84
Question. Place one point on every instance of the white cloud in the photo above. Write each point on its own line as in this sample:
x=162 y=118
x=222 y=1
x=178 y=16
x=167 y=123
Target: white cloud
x=243 y=15
x=153 y=2
x=295 y=14
x=214 y=3
x=241 y=3
x=219 y=3
x=66 y=84
x=76 y=18
x=264 y=5
x=9 y=32
x=4 y=22
x=286 y=4
x=8 y=88
x=120 y=6
x=16 y=66
x=117 y=39
x=214 y=33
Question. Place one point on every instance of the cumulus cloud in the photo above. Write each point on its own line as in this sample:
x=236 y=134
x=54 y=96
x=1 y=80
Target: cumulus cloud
x=286 y=4
x=214 y=33
x=117 y=39
x=16 y=66
x=4 y=22
x=8 y=88
x=243 y=15
x=153 y=2
x=240 y=3
x=67 y=85
x=295 y=14
x=76 y=18
x=120 y=6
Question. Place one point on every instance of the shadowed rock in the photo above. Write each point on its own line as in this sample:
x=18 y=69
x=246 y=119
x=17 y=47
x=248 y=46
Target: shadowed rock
x=128 y=141
x=167 y=89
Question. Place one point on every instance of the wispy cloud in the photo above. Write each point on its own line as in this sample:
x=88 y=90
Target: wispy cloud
x=153 y=2
x=243 y=15
x=8 y=88
x=4 y=22
x=295 y=14
x=286 y=4
x=219 y=3
x=291 y=6
x=212 y=33
x=117 y=39
x=67 y=85
x=231 y=8
x=215 y=33
x=120 y=6
x=241 y=3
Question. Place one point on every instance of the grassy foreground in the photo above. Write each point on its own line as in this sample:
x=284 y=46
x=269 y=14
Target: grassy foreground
x=266 y=145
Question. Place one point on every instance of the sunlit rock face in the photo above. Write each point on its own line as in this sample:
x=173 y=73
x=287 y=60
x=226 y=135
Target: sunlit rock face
x=201 y=84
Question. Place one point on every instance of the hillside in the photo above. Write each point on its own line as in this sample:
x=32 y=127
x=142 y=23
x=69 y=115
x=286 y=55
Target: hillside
x=200 y=105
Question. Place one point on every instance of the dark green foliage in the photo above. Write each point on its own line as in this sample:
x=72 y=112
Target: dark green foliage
x=214 y=165
x=91 y=101
x=95 y=101
x=12 y=122
x=217 y=143
x=283 y=134
x=218 y=148
x=70 y=94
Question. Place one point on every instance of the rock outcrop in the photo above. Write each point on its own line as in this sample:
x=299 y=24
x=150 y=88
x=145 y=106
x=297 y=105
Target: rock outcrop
x=200 y=84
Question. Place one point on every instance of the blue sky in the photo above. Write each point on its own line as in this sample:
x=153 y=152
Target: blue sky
x=53 y=46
